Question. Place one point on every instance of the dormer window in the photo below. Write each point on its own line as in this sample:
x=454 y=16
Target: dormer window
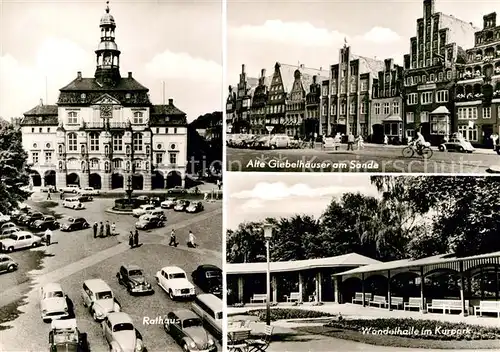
x=138 y=117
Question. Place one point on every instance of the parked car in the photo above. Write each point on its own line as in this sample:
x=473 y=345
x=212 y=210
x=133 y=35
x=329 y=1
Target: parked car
x=30 y=217
x=70 y=189
x=98 y=297
x=209 y=308
x=73 y=224
x=174 y=281
x=177 y=190
x=73 y=203
x=48 y=222
x=85 y=198
x=143 y=209
x=53 y=302
x=194 y=207
x=7 y=232
x=7 y=263
x=8 y=225
x=159 y=213
x=182 y=205
x=121 y=334
x=21 y=239
x=457 y=144
x=186 y=328
x=168 y=203
x=156 y=201
x=147 y=222
x=4 y=218
x=89 y=191
x=209 y=278
x=132 y=277
x=64 y=336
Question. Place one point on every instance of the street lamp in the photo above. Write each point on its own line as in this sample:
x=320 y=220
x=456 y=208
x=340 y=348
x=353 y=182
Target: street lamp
x=129 y=189
x=268 y=234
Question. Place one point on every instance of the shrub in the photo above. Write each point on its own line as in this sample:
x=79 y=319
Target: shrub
x=286 y=314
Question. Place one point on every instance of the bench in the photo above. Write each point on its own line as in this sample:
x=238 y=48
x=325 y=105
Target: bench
x=358 y=297
x=259 y=297
x=397 y=302
x=294 y=297
x=414 y=302
x=446 y=305
x=378 y=300
x=487 y=307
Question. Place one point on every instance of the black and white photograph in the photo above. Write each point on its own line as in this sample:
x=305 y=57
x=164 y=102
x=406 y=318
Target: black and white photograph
x=363 y=86
x=111 y=176
x=355 y=262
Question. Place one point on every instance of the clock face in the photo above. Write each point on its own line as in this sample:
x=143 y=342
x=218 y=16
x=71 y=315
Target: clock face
x=106 y=110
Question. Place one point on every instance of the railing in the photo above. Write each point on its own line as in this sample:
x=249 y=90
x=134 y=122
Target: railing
x=102 y=124
x=93 y=124
x=118 y=124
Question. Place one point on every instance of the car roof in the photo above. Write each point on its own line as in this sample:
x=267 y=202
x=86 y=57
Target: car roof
x=5 y=256
x=119 y=317
x=132 y=267
x=183 y=314
x=209 y=267
x=64 y=324
x=172 y=269
x=96 y=284
x=210 y=299
x=52 y=286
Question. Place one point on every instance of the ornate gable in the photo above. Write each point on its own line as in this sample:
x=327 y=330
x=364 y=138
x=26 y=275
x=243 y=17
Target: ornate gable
x=106 y=99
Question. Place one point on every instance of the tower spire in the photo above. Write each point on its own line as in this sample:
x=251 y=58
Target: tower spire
x=108 y=55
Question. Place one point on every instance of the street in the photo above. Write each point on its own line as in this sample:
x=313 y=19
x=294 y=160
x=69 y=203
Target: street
x=77 y=256
x=373 y=158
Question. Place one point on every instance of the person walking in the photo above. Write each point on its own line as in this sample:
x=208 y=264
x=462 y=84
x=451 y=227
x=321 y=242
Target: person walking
x=108 y=229
x=173 y=239
x=361 y=142
x=131 y=239
x=350 y=142
x=136 y=238
x=191 y=240
x=95 y=227
x=101 y=229
x=48 y=236
x=386 y=140
x=113 y=229
x=49 y=197
x=61 y=195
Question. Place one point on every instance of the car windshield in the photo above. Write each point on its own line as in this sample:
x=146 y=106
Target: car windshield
x=178 y=276
x=213 y=274
x=104 y=295
x=123 y=327
x=63 y=336
x=71 y=220
x=188 y=323
x=54 y=294
x=135 y=273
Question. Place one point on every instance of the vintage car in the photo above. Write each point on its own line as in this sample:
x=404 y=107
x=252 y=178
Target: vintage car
x=143 y=209
x=7 y=263
x=177 y=190
x=181 y=205
x=186 y=328
x=4 y=218
x=73 y=224
x=73 y=203
x=48 y=222
x=64 y=336
x=88 y=191
x=209 y=278
x=85 y=198
x=457 y=144
x=98 y=297
x=29 y=218
x=7 y=232
x=53 y=302
x=121 y=334
x=168 y=203
x=21 y=239
x=159 y=213
x=132 y=277
x=70 y=189
x=147 y=222
x=194 y=207
x=8 y=225
x=174 y=281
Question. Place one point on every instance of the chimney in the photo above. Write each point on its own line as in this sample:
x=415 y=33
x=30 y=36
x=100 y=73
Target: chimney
x=263 y=73
x=130 y=75
x=41 y=102
x=314 y=79
x=243 y=68
x=301 y=66
x=170 y=101
x=79 y=75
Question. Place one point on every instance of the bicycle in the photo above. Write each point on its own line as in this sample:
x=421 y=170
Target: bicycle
x=410 y=150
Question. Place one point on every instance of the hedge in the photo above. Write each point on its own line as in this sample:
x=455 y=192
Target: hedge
x=287 y=314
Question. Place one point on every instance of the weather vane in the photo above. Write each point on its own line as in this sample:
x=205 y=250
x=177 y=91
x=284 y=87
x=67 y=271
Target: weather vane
x=107 y=6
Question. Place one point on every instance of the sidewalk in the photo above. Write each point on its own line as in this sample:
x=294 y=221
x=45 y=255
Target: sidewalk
x=343 y=147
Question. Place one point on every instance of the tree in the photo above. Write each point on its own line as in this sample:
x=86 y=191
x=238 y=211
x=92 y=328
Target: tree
x=292 y=236
x=246 y=244
x=14 y=173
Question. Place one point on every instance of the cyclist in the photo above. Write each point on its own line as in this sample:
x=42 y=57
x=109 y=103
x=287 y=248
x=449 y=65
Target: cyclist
x=419 y=142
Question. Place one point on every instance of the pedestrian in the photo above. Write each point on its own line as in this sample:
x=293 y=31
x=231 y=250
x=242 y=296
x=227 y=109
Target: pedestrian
x=173 y=239
x=48 y=236
x=101 y=229
x=350 y=142
x=386 y=140
x=131 y=239
x=361 y=142
x=61 y=195
x=192 y=240
x=48 y=194
x=108 y=229
x=205 y=196
x=95 y=227
x=113 y=229
x=136 y=238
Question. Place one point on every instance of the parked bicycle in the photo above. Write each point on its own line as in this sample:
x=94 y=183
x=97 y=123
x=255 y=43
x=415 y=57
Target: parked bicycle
x=411 y=149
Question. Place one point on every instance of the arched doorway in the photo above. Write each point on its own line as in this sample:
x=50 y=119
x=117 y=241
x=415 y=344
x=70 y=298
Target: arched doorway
x=73 y=179
x=49 y=178
x=95 y=181
x=137 y=182
x=157 y=180
x=378 y=133
x=116 y=181
x=174 y=178
x=36 y=179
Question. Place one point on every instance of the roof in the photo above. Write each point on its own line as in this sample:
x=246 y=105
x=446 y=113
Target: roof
x=185 y=314
x=408 y=263
x=42 y=110
x=61 y=324
x=169 y=109
x=167 y=115
x=90 y=84
x=95 y=283
x=209 y=266
x=307 y=74
x=119 y=317
x=132 y=267
x=212 y=300
x=460 y=32
x=346 y=260
x=369 y=65
x=441 y=110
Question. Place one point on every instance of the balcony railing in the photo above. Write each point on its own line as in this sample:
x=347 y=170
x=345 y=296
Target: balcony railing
x=93 y=124
x=102 y=124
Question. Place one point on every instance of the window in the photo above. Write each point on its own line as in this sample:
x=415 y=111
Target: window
x=94 y=163
x=159 y=158
x=117 y=163
x=424 y=78
x=487 y=113
x=157 y=130
x=333 y=109
x=342 y=88
x=353 y=87
x=432 y=77
x=363 y=107
x=175 y=128
x=48 y=157
x=352 y=108
x=386 y=109
x=469 y=113
x=440 y=76
x=117 y=143
x=469 y=133
x=72 y=146
x=40 y=130
x=138 y=117
x=441 y=96
x=34 y=156
x=173 y=158
x=32 y=129
x=48 y=129
x=426 y=98
x=412 y=98
x=94 y=141
x=377 y=109
x=342 y=109
x=424 y=116
x=364 y=85
x=325 y=90
x=323 y=109
x=448 y=75
x=137 y=142
x=395 y=107
x=72 y=117
x=410 y=117
x=410 y=133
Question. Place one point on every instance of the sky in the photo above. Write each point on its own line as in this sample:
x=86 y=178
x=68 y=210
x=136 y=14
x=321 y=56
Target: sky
x=260 y=33
x=256 y=196
x=178 y=42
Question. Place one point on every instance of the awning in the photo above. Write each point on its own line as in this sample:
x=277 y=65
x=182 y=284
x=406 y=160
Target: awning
x=441 y=110
x=393 y=118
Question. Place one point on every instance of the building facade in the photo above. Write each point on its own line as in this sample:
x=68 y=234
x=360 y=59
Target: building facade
x=477 y=97
x=258 y=106
x=104 y=132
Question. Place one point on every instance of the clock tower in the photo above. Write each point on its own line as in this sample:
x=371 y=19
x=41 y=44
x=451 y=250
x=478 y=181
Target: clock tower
x=108 y=56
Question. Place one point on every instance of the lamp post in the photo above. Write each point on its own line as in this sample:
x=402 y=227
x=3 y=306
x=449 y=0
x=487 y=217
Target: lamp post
x=129 y=189
x=268 y=234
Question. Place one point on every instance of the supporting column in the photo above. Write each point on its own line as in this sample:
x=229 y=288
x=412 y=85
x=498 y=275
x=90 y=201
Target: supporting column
x=106 y=182
x=274 y=286
x=301 y=288
x=60 y=179
x=363 y=288
x=316 y=296
x=465 y=310
x=422 y=297
x=389 y=306
x=497 y=285
x=241 y=287
x=147 y=182
x=84 y=179
x=481 y=280
x=336 y=293
x=319 y=279
x=183 y=184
